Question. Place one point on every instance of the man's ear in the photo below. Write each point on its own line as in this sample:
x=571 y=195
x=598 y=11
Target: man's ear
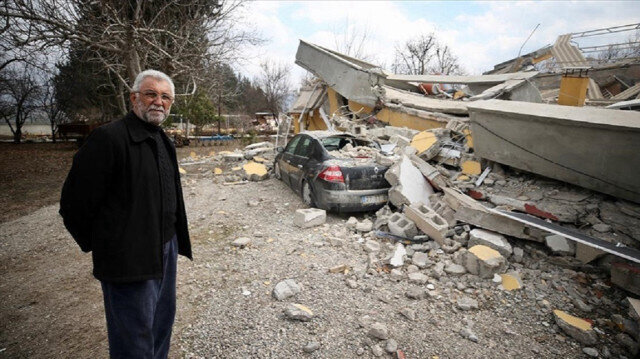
x=132 y=98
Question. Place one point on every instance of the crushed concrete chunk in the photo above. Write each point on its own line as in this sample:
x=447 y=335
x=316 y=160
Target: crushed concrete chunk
x=466 y=303
x=511 y=281
x=455 y=269
x=471 y=168
x=491 y=240
x=379 y=331
x=364 y=226
x=577 y=328
x=402 y=226
x=484 y=261
x=418 y=278
x=428 y=221
x=626 y=276
x=560 y=245
x=420 y=259
x=397 y=260
x=309 y=217
x=285 y=289
x=241 y=242
x=255 y=171
x=409 y=185
x=427 y=144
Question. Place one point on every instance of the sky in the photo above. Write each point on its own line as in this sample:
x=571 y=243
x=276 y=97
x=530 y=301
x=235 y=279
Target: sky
x=480 y=33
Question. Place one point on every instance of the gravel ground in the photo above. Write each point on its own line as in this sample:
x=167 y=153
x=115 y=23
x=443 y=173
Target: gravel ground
x=52 y=306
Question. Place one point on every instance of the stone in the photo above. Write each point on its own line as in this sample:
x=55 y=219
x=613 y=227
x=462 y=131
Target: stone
x=342 y=268
x=577 y=328
x=586 y=254
x=497 y=279
x=241 y=242
x=397 y=259
x=420 y=259
x=391 y=346
x=511 y=281
x=351 y=283
x=471 y=168
x=298 y=312
x=285 y=289
x=467 y=333
x=484 y=261
x=396 y=274
x=491 y=240
x=592 y=352
x=628 y=343
x=364 y=226
x=379 y=331
x=402 y=226
x=377 y=350
x=311 y=347
x=418 y=278
x=415 y=293
x=602 y=228
x=518 y=254
x=352 y=222
x=429 y=222
x=309 y=217
x=626 y=276
x=559 y=245
x=255 y=171
x=371 y=246
x=466 y=303
x=455 y=269
x=408 y=313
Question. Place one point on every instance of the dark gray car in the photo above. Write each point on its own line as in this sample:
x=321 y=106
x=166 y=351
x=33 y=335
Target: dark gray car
x=328 y=182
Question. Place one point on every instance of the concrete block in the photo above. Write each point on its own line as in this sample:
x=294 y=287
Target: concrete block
x=471 y=168
x=409 y=185
x=511 y=281
x=255 y=171
x=560 y=245
x=577 y=328
x=402 y=226
x=484 y=261
x=429 y=172
x=444 y=211
x=309 y=217
x=626 y=276
x=586 y=254
x=491 y=240
x=427 y=144
x=428 y=221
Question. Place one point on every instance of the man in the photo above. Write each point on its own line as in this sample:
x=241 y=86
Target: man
x=122 y=201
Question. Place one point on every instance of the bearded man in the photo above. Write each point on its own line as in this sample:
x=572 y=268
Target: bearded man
x=122 y=201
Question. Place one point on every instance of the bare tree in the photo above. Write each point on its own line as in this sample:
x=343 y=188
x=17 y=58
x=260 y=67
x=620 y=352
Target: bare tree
x=352 y=41
x=52 y=108
x=276 y=85
x=18 y=100
x=181 y=37
x=424 y=54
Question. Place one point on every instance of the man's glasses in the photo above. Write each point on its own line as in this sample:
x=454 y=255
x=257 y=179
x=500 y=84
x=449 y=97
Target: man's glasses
x=152 y=95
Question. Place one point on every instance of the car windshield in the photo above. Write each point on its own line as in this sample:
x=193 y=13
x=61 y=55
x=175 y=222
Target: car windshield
x=336 y=143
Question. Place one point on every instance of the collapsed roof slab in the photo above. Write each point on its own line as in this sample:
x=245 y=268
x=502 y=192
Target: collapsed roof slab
x=352 y=78
x=420 y=102
x=476 y=83
x=589 y=147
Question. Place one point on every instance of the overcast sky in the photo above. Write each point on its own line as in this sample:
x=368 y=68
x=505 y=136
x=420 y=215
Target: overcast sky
x=481 y=34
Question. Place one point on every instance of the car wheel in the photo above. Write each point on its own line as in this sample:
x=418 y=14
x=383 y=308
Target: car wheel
x=307 y=194
x=276 y=170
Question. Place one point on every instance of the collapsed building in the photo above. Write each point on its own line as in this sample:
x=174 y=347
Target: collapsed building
x=499 y=154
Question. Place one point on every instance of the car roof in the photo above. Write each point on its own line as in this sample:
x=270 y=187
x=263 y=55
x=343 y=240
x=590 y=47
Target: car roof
x=325 y=134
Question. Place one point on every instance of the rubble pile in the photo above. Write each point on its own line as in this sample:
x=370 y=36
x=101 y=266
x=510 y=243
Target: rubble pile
x=253 y=163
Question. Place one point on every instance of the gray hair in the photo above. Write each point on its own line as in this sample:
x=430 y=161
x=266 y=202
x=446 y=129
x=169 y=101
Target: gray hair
x=156 y=75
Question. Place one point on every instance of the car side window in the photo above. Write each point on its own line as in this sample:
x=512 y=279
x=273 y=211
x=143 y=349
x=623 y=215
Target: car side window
x=291 y=147
x=304 y=148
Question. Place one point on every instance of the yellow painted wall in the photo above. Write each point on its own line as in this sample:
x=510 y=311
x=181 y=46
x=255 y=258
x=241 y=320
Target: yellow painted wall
x=573 y=91
x=312 y=121
x=359 y=108
x=401 y=119
x=334 y=104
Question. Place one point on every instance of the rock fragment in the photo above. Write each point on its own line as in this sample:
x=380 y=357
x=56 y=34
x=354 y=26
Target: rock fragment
x=379 y=331
x=299 y=312
x=466 y=303
x=309 y=217
x=285 y=289
x=484 y=261
x=311 y=347
x=241 y=242
x=577 y=328
x=560 y=245
x=490 y=239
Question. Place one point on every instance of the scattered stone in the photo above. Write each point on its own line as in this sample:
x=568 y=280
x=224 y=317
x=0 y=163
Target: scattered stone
x=627 y=342
x=560 y=245
x=364 y=226
x=241 y=242
x=391 y=346
x=592 y=352
x=298 y=312
x=511 y=281
x=431 y=286
x=627 y=276
x=255 y=171
x=285 y=289
x=352 y=222
x=491 y=240
x=518 y=254
x=311 y=347
x=577 y=328
x=415 y=293
x=602 y=228
x=371 y=246
x=351 y=283
x=342 y=268
x=377 y=350
x=309 y=217
x=484 y=261
x=379 y=331
x=396 y=274
x=418 y=278
x=408 y=313
x=497 y=278
x=466 y=303
x=467 y=333
x=360 y=351
x=397 y=260
x=455 y=269
x=420 y=259
x=581 y=305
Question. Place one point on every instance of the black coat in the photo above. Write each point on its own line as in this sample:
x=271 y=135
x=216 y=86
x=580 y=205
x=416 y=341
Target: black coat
x=111 y=202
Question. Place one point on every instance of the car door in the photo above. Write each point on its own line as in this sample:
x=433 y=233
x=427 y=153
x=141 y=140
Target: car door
x=299 y=160
x=285 y=161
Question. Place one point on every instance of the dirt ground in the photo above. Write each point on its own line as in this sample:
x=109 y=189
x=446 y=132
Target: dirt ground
x=51 y=305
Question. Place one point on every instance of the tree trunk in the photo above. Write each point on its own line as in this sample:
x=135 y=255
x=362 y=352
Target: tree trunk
x=17 y=136
x=53 y=132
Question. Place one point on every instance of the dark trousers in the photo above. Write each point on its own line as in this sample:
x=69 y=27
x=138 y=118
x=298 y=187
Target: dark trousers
x=140 y=314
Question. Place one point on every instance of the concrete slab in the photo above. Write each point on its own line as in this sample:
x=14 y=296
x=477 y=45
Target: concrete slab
x=409 y=186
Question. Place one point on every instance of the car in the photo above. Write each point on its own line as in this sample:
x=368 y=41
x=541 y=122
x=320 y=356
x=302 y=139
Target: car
x=313 y=166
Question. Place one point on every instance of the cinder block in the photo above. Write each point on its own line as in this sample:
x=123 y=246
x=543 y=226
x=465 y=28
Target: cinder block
x=400 y=225
x=444 y=211
x=428 y=221
x=309 y=217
